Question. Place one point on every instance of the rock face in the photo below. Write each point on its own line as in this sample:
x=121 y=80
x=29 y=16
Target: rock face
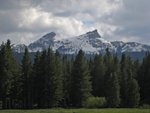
x=90 y=42
x=43 y=43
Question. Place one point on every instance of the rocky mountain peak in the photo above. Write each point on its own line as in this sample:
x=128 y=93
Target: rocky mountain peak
x=49 y=36
x=93 y=34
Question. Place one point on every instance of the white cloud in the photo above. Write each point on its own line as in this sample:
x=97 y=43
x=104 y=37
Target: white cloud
x=37 y=20
x=24 y=21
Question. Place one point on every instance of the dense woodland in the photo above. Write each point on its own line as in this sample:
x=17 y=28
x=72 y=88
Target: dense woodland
x=54 y=80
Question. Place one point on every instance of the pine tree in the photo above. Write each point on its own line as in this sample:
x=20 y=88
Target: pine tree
x=3 y=77
x=67 y=67
x=50 y=80
x=144 y=79
x=42 y=81
x=36 y=79
x=108 y=64
x=123 y=81
x=112 y=86
x=113 y=97
x=9 y=71
x=80 y=81
x=57 y=82
x=133 y=87
x=136 y=68
x=26 y=80
x=49 y=74
x=134 y=95
x=129 y=86
x=97 y=75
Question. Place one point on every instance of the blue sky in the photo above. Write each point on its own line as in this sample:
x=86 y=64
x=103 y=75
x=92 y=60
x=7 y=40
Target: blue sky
x=24 y=21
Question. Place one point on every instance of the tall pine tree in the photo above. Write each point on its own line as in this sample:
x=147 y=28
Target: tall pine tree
x=97 y=75
x=129 y=87
x=67 y=67
x=112 y=86
x=26 y=80
x=57 y=82
x=9 y=76
x=42 y=80
x=144 y=79
x=36 y=79
x=80 y=81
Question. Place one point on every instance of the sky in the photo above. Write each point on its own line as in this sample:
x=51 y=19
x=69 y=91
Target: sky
x=24 y=21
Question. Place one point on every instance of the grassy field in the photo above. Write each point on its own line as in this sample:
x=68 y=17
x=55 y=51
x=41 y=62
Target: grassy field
x=79 y=111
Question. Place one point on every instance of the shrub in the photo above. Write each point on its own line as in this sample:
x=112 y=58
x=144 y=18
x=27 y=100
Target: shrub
x=145 y=106
x=95 y=102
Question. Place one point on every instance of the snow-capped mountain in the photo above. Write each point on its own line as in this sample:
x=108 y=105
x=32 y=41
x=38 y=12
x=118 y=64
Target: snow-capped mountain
x=130 y=47
x=90 y=42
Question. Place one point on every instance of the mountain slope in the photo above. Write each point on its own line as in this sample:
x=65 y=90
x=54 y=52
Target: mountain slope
x=130 y=47
x=43 y=43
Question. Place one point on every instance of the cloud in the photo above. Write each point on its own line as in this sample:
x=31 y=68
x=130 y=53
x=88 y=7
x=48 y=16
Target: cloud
x=24 y=21
x=132 y=20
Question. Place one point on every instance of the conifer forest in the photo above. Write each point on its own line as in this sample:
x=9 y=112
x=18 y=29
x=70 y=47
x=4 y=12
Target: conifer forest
x=54 y=80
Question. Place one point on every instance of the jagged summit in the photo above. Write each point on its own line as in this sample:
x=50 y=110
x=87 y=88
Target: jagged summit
x=49 y=35
x=43 y=43
x=93 y=34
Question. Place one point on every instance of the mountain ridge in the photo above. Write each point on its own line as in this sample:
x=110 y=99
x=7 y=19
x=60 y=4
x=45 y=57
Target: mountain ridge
x=90 y=42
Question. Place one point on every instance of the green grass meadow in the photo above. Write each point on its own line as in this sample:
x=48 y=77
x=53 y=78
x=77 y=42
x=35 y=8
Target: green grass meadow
x=79 y=111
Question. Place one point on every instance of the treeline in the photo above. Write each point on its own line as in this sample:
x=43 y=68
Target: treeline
x=55 y=80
